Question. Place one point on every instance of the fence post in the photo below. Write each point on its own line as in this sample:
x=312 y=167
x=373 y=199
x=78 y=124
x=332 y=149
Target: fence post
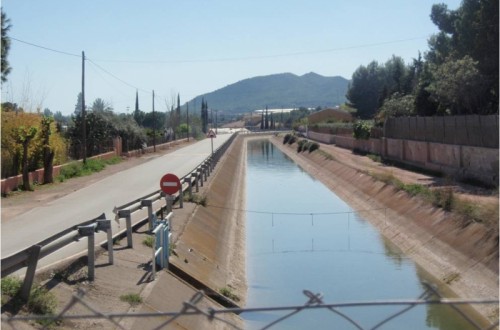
x=126 y=214
x=30 y=272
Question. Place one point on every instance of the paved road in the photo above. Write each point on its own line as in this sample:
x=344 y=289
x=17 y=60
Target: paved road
x=87 y=203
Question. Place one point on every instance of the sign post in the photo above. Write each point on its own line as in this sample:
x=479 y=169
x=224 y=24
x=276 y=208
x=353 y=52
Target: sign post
x=170 y=184
x=211 y=134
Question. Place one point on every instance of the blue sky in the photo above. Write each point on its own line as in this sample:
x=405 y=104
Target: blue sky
x=192 y=47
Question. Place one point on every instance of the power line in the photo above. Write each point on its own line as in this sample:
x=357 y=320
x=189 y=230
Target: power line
x=296 y=213
x=117 y=78
x=46 y=48
x=257 y=57
x=228 y=59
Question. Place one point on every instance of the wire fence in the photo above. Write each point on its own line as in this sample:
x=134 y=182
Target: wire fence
x=193 y=307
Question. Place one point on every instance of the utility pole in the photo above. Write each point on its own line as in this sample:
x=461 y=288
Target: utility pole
x=187 y=119
x=216 y=121
x=154 y=124
x=84 y=125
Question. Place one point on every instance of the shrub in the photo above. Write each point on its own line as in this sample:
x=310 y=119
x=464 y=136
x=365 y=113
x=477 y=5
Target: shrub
x=301 y=145
x=292 y=140
x=313 y=146
x=361 y=130
x=443 y=198
x=70 y=171
x=287 y=138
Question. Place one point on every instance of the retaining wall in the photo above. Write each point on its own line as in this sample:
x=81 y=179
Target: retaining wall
x=460 y=161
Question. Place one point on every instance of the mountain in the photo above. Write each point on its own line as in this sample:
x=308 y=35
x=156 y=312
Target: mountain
x=284 y=90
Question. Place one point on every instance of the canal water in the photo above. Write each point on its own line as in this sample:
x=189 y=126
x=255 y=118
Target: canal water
x=301 y=236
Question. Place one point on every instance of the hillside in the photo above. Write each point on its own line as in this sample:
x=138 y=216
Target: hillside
x=284 y=90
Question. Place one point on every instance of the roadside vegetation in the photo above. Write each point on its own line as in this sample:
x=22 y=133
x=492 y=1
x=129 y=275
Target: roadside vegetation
x=78 y=169
x=40 y=302
x=446 y=199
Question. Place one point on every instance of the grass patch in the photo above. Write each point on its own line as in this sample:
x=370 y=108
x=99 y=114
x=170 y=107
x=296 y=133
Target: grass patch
x=78 y=169
x=148 y=241
x=227 y=292
x=133 y=299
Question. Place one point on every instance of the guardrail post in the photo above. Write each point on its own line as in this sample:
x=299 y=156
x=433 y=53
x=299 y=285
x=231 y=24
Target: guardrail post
x=205 y=171
x=181 y=197
x=149 y=204
x=126 y=214
x=200 y=175
x=195 y=174
x=105 y=225
x=89 y=231
x=30 y=272
x=190 y=188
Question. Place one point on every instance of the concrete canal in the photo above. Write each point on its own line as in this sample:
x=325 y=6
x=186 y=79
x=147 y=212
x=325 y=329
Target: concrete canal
x=301 y=236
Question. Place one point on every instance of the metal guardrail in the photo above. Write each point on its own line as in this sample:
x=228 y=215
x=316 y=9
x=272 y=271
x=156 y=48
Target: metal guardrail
x=30 y=256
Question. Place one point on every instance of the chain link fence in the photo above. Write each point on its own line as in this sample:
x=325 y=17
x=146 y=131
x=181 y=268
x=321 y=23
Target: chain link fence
x=215 y=317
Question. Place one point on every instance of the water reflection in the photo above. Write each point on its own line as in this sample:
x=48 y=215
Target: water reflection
x=302 y=236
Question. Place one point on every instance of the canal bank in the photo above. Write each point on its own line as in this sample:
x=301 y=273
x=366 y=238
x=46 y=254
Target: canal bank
x=463 y=258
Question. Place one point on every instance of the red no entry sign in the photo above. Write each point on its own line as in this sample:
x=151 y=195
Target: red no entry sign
x=170 y=184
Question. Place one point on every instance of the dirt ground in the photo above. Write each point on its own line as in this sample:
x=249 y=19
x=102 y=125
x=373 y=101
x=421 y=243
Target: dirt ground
x=219 y=261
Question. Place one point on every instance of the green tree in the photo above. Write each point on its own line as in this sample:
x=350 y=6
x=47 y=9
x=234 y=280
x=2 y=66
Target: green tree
x=458 y=86
x=470 y=31
x=365 y=89
x=5 y=46
x=397 y=105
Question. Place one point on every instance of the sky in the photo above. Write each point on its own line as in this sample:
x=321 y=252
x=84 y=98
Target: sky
x=193 y=47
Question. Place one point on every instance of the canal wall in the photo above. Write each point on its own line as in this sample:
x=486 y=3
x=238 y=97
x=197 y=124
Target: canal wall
x=464 y=258
x=211 y=246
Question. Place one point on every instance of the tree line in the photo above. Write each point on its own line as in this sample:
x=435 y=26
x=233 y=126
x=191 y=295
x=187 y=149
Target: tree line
x=457 y=76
